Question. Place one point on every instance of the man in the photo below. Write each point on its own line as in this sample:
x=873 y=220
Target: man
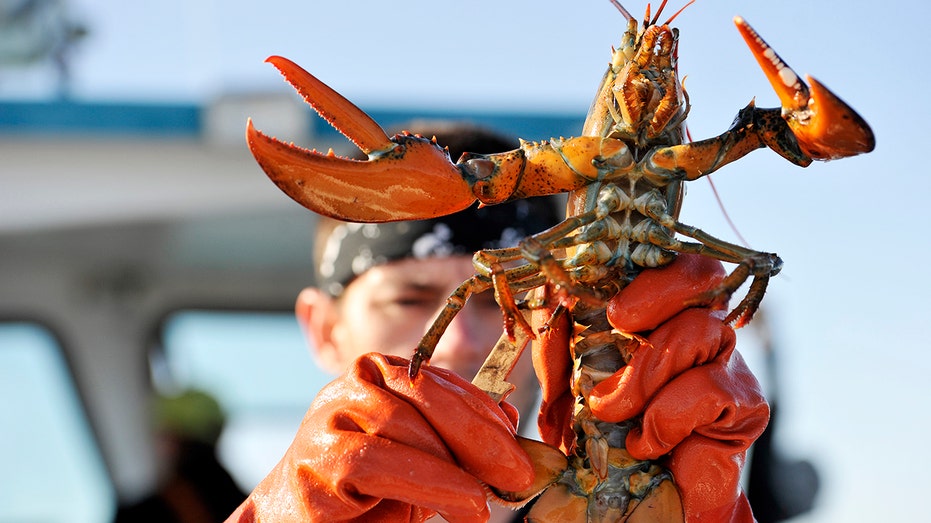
x=379 y=286
x=194 y=486
x=376 y=447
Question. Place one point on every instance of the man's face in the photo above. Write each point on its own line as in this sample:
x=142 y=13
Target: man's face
x=389 y=307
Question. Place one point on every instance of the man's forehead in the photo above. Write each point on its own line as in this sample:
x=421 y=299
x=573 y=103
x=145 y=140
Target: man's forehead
x=422 y=272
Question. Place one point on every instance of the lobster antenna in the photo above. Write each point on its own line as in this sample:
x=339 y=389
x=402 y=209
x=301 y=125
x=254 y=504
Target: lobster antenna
x=623 y=11
x=658 y=12
x=673 y=17
x=727 y=217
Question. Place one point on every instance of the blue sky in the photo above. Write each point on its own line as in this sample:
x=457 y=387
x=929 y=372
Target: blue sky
x=850 y=308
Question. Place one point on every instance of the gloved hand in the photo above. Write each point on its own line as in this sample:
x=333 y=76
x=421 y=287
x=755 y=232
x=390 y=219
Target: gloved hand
x=701 y=407
x=373 y=447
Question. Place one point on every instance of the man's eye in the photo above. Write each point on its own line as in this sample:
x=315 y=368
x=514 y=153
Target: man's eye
x=485 y=300
x=415 y=301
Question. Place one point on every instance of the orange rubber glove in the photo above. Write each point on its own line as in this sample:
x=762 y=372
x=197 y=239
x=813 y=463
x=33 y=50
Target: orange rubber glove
x=701 y=406
x=373 y=447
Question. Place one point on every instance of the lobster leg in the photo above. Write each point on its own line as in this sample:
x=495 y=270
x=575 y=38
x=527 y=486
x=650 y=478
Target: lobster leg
x=760 y=265
x=542 y=266
x=454 y=304
x=749 y=262
x=505 y=282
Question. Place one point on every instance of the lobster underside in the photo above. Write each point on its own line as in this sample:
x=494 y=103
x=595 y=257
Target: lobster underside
x=602 y=482
x=625 y=176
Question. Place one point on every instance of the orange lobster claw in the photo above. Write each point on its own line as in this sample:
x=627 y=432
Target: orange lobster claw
x=406 y=177
x=825 y=127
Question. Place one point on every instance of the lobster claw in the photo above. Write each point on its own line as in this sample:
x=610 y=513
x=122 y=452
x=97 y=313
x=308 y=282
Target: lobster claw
x=406 y=177
x=826 y=128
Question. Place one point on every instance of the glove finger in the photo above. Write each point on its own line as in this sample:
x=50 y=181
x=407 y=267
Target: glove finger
x=392 y=511
x=637 y=309
x=387 y=452
x=693 y=337
x=552 y=363
x=370 y=435
x=363 y=482
x=360 y=404
x=470 y=424
x=720 y=401
x=707 y=472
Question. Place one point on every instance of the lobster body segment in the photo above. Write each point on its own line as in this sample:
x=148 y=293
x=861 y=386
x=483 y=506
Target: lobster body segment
x=625 y=177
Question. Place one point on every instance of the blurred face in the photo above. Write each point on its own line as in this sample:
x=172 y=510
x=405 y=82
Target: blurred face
x=388 y=308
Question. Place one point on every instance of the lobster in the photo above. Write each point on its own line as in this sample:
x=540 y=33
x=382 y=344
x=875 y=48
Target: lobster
x=624 y=175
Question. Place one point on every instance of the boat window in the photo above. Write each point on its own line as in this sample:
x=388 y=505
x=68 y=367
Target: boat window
x=257 y=366
x=52 y=468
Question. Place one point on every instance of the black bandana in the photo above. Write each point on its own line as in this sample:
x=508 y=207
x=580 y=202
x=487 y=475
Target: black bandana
x=353 y=248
